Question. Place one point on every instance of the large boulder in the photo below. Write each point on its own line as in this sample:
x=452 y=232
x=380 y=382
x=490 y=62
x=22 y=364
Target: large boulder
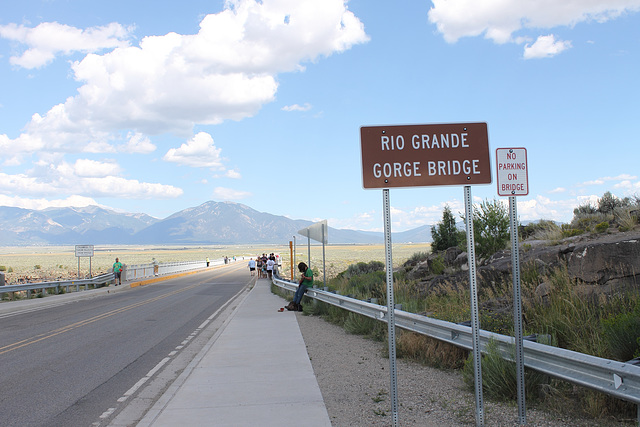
x=598 y=263
x=602 y=262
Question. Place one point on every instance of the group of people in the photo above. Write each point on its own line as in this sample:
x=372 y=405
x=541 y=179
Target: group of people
x=263 y=265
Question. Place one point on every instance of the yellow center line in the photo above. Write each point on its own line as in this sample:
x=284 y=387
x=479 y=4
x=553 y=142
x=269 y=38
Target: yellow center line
x=67 y=328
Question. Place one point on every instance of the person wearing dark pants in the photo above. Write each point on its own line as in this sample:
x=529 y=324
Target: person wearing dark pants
x=306 y=280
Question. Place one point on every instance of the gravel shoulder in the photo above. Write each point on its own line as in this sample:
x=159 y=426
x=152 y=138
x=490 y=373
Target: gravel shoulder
x=354 y=380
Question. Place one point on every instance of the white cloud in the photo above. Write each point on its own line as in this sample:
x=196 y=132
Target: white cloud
x=169 y=83
x=92 y=168
x=296 y=107
x=231 y=173
x=603 y=180
x=49 y=39
x=498 y=20
x=39 y=204
x=593 y=182
x=227 y=194
x=138 y=143
x=63 y=178
x=545 y=47
x=200 y=152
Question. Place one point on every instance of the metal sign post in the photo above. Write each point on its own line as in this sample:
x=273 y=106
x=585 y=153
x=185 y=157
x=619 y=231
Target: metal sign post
x=317 y=232
x=84 y=251
x=517 y=309
x=291 y=258
x=513 y=180
x=391 y=322
x=396 y=156
x=475 y=323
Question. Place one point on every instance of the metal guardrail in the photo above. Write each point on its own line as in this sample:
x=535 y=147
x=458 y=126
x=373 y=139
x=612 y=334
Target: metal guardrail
x=132 y=272
x=618 y=379
x=29 y=287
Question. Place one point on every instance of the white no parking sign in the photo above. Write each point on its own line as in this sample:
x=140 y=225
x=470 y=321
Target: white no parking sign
x=512 y=170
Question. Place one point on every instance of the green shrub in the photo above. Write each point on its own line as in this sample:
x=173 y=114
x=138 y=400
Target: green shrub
x=622 y=332
x=530 y=274
x=541 y=230
x=3 y=268
x=570 y=318
x=37 y=267
x=585 y=209
x=499 y=378
x=429 y=351
x=368 y=285
x=590 y=222
x=602 y=227
x=445 y=234
x=568 y=231
x=437 y=265
x=360 y=268
x=500 y=322
x=624 y=219
x=358 y=324
x=608 y=203
x=490 y=228
x=608 y=206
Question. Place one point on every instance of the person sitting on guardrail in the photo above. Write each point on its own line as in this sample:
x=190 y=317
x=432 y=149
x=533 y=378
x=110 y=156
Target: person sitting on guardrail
x=306 y=280
x=117 y=272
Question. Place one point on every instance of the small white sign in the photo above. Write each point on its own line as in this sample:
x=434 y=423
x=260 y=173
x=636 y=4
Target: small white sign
x=513 y=172
x=84 y=251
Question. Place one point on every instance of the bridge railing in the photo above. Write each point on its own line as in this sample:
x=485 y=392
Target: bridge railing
x=101 y=280
x=130 y=272
x=618 y=379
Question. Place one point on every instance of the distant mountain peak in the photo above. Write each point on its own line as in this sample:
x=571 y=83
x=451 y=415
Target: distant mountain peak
x=211 y=222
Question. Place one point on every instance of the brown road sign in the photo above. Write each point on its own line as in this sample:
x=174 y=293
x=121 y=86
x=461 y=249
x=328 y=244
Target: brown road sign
x=425 y=155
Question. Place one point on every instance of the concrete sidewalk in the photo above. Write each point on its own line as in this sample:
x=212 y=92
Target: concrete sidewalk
x=254 y=371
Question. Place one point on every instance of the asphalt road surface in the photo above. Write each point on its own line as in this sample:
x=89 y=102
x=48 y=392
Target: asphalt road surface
x=77 y=364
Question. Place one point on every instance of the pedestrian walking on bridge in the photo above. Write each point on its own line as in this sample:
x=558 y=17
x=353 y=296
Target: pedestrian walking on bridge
x=117 y=272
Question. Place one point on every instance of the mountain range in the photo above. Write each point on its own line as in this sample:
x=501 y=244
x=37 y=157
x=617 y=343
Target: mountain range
x=210 y=223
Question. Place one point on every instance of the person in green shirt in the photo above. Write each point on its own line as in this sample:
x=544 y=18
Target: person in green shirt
x=117 y=271
x=306 y=280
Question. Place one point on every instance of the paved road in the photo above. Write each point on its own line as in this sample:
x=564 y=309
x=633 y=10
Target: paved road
x=77 y=363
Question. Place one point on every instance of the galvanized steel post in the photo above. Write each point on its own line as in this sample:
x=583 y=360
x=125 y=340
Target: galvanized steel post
x=517 y=309
x=475 y=323
x=391 y=323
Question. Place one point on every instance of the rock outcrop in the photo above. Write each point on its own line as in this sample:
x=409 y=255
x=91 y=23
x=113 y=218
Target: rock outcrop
x=595 y=263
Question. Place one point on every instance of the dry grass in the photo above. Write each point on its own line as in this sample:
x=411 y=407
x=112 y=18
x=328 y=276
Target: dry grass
x=54 y=262
x=339 y=257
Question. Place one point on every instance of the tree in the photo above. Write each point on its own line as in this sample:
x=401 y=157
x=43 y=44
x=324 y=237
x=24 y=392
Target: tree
x=445 y=234
x=490 y=228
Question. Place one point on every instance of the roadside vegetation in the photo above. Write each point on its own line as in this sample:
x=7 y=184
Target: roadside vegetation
x=603 y=325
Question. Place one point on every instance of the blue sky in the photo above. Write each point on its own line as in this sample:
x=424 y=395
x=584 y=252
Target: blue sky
x=157 y=106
